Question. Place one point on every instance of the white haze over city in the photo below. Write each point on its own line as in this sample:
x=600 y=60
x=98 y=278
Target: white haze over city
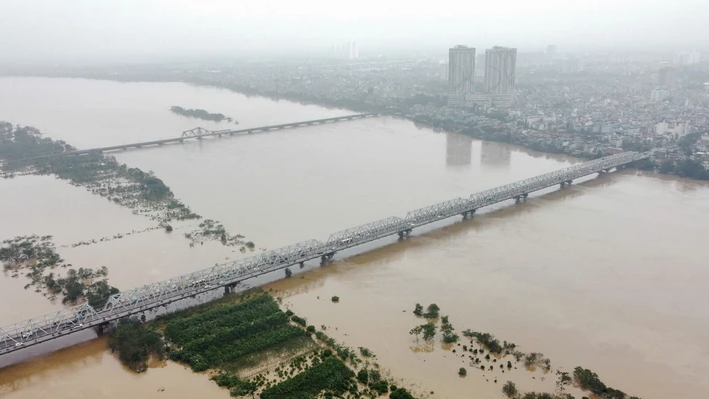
x=66 y=30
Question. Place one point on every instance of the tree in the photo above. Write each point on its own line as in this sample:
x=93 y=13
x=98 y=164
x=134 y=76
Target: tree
x=335 y=298
x=416 y=331
x=589 y=380
x=462 y=372
x=363 y=376
x=444 y=320
x=432 y=311
x=418 y=310
x=509 y=389
x=429 y=331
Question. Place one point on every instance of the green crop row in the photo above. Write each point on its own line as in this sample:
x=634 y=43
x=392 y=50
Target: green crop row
x=331 y=375
x=234 y=320
x=243 y=330
x=223 y=352
x=263 y=304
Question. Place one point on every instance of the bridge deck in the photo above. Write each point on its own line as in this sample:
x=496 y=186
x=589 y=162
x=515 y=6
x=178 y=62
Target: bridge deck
x=205 y=133
x=34 y=331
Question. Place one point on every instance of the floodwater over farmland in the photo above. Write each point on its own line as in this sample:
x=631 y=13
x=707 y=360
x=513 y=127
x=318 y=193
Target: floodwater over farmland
x=608 y=274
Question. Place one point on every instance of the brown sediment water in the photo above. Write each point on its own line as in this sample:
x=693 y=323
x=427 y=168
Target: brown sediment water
x=607 y=274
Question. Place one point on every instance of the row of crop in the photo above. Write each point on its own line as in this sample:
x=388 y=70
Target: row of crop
x=233 y=320
x=241 y=331
x=223 y=352
x=331 y=375
x=175 y=325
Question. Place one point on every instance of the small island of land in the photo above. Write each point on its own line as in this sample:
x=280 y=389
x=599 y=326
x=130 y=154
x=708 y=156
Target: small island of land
x=201 y=114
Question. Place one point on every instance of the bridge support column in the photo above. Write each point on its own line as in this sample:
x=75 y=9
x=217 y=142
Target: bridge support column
x=326 y=258
x=468 y=214
x=404 y=233
x=302 y=265
x=102 y=328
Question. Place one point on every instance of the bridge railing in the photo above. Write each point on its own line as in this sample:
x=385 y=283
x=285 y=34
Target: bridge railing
x=48 y=324
x=442 y=210
x=232 y=272
x=214 y=275
x=366 y=232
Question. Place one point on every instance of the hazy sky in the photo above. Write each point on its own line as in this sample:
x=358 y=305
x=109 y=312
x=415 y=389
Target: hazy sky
x=83 y=29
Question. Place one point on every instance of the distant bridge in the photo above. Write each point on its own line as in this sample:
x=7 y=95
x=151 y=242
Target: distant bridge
x=199 y=133
x=52 y=326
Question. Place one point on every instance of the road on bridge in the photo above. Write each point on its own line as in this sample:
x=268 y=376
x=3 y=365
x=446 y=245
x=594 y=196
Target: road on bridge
x=135 y=301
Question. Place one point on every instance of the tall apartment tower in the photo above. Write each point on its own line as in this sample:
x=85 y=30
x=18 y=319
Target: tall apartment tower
x=500 y=64
x=667 y=77
x=461 y=70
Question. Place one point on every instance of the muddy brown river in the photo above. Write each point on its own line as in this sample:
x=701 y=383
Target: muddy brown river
x=609 y=274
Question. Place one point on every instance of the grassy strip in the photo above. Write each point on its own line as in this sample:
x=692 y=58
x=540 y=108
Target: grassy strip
x=225 y=352
x=331 y=375
x=183 y=331
x=243 y=330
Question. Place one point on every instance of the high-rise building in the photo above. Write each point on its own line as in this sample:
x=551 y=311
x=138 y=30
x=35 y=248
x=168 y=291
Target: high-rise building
x=443 y=69
x=572 y=65
x=348 y=50
x=551 y=51
x=353 y=51
x=688 y=57
x=500 y=65
x=667 y=77
x=461 y=70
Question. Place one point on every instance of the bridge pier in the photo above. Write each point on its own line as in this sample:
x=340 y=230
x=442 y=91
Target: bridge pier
x=103 y=328
x=566 y=183
x=521 y=197
x=302 y=264
x=326 y=258
x=404 y=233
x=468 y=214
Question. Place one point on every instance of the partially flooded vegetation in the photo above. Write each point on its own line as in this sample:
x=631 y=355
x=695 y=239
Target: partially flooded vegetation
x=25 y=151
x=485 y=353
x=36 y=258
x=250 y=346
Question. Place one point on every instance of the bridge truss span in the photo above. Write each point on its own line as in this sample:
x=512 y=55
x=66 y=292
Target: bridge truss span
x=367 y=232
x=137 y=300
x=440 y=211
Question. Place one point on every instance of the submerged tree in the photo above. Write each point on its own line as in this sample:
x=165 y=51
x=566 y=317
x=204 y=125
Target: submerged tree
x=509 y=389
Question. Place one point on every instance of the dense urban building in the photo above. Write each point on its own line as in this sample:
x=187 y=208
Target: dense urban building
x=667 y=77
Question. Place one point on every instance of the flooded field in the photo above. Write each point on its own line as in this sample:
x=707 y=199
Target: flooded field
x=607 y=274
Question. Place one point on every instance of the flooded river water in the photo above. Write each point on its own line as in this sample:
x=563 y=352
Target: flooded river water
x=608 y=274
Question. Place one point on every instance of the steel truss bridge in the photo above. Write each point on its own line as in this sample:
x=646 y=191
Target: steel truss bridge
x=48 y=327
x=199 y=133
